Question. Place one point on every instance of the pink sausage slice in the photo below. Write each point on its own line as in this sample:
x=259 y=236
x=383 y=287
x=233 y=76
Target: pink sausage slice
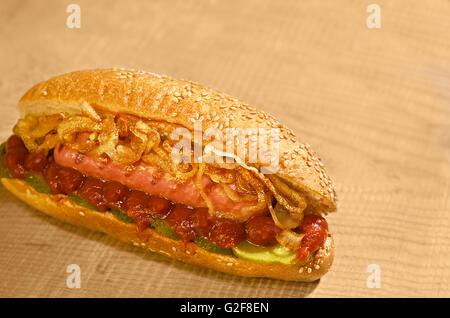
x=152 y=180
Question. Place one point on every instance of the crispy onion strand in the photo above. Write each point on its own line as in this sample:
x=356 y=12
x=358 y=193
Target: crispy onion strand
x=201 y=170
x=291 y=194
x=235 y=197
x=281 y=199
x=35 y=131
x=262 y=198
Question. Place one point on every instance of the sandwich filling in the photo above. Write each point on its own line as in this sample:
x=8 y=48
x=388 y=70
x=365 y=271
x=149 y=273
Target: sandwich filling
x=122 y=164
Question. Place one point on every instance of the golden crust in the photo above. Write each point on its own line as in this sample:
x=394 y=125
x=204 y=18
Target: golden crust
x=182 y=102
x=60 y=207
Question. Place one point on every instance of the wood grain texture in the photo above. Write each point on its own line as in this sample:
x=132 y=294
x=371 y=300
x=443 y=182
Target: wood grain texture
x=374 y=103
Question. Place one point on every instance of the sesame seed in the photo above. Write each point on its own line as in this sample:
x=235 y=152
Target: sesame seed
x=164 y=253
x=81 y=213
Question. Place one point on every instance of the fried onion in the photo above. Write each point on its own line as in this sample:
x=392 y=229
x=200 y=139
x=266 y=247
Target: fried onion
x=290 y=239
x=34 y=130
x=287 y=237
x=70 y=127
x=235 y=197
x=285 y=219
x=220 y=175
x=259 y=189
x=287 y=191
x=281 y=199
x=107 y=138
x=201 y=170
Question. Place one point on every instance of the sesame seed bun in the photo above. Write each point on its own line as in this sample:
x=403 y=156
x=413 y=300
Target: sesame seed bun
x=153 y=97
x=60 y=207
x=156 y=97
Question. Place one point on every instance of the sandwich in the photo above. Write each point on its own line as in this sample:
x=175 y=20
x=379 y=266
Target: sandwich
x=173 y=167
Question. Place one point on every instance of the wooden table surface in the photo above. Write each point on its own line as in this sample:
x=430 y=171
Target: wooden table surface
x=374 y=103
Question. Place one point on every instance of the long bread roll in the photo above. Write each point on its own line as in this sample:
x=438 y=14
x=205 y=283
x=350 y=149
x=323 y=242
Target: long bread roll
x=157 y=101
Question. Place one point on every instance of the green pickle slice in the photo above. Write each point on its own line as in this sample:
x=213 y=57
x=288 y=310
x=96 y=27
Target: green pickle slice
x=163 y=228
x=266 y=255
x=121 y=216
x=38 y=184
x=82 y=202
x=4 y=172
x=209 y=246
